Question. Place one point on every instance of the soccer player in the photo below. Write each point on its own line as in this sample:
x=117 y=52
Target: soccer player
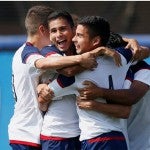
x=93 y=32
x=25 y=125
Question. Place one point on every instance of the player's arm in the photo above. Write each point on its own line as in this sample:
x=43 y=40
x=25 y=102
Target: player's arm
x=59 y=87
x=31 y=56
x=86 y=60
x=114 y=110
x=56 y=62
x=141 y=53
x=75 y=69
x=121 y=96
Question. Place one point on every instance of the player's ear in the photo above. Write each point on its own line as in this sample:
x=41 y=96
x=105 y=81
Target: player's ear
x=42 y=29
x=96 y=41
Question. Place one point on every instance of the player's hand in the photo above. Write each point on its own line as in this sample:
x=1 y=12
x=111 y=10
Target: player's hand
x=85 y=104
x=132 y=44
x=88 y=61
x=141 y=53
x=137 y=55
x=135 y=47
x=43 y=105
x=90 y=91
x=108 y=52
x=45 y=94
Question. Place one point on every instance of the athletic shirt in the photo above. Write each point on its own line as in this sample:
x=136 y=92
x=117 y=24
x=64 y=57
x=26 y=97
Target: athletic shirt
x=61 y=119
x=25 y=125
x=92 y=123
x=138 y=122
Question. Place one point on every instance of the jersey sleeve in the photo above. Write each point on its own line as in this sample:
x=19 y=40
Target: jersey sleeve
x=129 y=79
x=30 y=54
x=142 y=72
x=63 y=86
x=50 y=50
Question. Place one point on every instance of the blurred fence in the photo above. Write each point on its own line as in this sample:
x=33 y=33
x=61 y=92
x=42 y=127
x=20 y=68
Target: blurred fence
x=8 y=45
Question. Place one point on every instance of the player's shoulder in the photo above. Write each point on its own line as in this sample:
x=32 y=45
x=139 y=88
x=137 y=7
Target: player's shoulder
x=49 y=50
x=140 y=65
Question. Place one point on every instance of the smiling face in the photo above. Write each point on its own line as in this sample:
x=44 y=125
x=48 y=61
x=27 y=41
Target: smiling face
x=82 y=40
x=61 y=33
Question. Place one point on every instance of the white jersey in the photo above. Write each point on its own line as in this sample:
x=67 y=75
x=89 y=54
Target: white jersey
x=139 y=119
x=25 y=124
x=61 y=119
x=94 y=123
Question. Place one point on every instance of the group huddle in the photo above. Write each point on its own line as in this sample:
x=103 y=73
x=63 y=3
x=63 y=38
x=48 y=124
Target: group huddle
x=78 y=87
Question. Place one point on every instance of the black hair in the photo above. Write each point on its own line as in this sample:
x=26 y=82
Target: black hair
x=97 y=26
x=115 y=40
x=61 y=14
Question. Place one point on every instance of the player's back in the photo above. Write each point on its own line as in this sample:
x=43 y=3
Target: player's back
x=25 y=124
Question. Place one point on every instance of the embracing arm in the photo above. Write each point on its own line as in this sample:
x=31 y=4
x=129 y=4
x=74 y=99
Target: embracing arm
x=86 y=60
x=73 y=70
x=127 y=96
x=121 y=96
x=142 y=53
x=56 y=62
x=114 y=110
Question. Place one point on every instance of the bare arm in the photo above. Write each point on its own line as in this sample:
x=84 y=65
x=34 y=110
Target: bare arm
x=113 y=110
x=142 y=53
x=121 y=96
x=86 y=60
x=73 y=70
x=56 y=62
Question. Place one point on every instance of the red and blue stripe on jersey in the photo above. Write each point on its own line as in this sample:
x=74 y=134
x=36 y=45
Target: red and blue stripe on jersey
x=135 y=68
x=29 y=50
x=64 y=81
x=49 y=50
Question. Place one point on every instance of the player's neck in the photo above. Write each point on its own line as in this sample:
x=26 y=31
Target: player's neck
x=35 y=41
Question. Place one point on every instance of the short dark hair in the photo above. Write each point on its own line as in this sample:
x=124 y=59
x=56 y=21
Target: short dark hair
x=61 y=14
x=115 y=40
x=36 y=16
x=97 y=26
